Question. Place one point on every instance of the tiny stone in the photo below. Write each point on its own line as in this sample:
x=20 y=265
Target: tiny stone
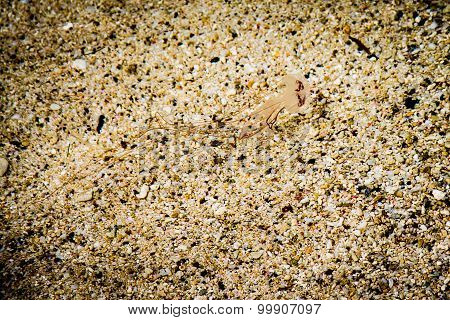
x=257 y=254
x=220 y=211
x=143 y=192
x=438 y=195
x=215 y=59
x=3 y=166
x=79 y=64
x=67 y=26
x=410 y=102
x=175 y=213
x=231 y=92
x=433 y=25
x=163 y=272
x=248 y=68
x=55 y=107
x=304 y=200
x=83 y=197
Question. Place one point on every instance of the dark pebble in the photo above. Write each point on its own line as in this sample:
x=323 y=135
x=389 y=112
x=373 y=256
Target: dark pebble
x=216 y=143
x=101 y=122
x=410 y=103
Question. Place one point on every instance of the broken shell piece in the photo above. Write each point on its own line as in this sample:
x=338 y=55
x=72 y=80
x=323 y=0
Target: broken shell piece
x=143 y=192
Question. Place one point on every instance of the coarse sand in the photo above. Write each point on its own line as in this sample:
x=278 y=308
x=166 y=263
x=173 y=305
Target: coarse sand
x=122 y=175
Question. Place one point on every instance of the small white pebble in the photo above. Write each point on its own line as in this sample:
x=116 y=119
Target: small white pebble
x=220 y=211
x=163 y=272
x=3 y=166
x=438 y=195
x=248 y=68
x=55 y=107
x=362 y=225
x=257 y=254
x=86 y=196
x=67 y=26
x=143 y=192
x=304 y=200
x=79 y=64
x=433 y=25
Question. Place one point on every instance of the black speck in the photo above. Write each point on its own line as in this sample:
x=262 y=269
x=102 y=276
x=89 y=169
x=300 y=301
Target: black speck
x=389 y=231
x=18 y=145
x=164 y=140
x=398 y=15
x=287 y=208
x=412 y=48
x=410 y=103
x=311 y=161
x=221 y=285
x=101 y=122
x=427 y=81
x=216 y=143
x=427 y=204
x=215 y=59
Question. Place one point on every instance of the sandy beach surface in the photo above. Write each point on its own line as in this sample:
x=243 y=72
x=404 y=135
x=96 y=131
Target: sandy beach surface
x=122 y=175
